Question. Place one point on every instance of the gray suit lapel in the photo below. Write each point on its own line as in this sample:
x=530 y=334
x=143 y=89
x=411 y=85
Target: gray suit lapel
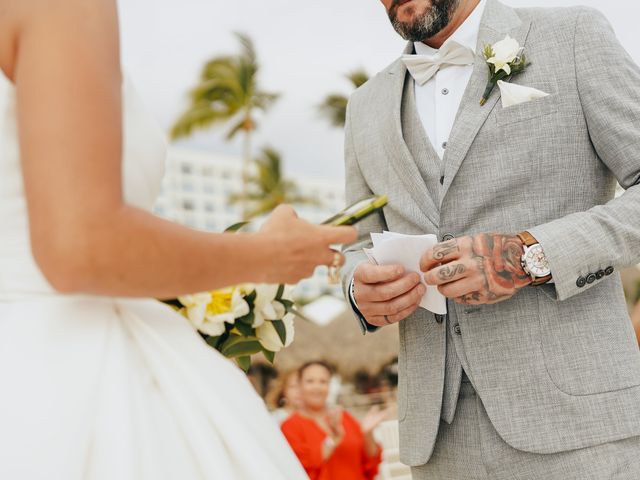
x=498 y=20
x=396 y=149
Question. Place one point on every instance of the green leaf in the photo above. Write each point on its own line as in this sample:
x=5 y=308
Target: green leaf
x=244 y=363
x=269 y=355
x=280 y=329
x=248 y=319
x=280 y=292
x=237 y=346
x=173 y=302
x=213 y=342
x=235 y=227
x=251 y=298
x=288 y=304
x=245 y=329
x=488 y=52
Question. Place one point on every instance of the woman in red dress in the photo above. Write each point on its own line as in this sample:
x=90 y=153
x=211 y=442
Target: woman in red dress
x=331 y=444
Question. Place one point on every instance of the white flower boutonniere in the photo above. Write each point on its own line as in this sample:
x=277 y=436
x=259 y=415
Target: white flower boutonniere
x=505 y=59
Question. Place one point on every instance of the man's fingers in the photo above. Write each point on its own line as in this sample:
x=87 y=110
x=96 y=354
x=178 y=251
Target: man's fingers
x=460 y=288
x=447 y=273
x=403 y=314
x=393 y=307
x=381 y=321
x=441 y=253
x=370 y=274
x=382 y=292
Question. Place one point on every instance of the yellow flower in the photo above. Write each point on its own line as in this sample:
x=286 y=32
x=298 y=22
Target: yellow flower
x=209 y=311
x=220 y=301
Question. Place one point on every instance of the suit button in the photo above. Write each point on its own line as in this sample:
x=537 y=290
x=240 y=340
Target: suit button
x=440 y=318
x=446 y=237
x=608 y=271
x=581 y=282
x=457 y=330
x=599 y=274
x=591 y=278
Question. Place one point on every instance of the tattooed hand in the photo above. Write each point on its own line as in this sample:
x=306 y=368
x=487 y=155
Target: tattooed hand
x=477 y=270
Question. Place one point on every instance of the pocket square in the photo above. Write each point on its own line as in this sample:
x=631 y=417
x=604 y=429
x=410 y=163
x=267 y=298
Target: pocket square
x=513 y=94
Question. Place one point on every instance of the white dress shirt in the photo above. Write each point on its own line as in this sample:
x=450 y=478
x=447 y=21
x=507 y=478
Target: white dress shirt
x=438 y=100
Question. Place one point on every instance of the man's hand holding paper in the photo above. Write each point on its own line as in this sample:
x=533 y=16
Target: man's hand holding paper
x=391 y=287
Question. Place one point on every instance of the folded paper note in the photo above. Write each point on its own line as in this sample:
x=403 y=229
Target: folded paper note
x=399 y=249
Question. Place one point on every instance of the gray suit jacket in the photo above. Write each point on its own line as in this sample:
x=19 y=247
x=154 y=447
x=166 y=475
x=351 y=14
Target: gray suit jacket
x=557 y=366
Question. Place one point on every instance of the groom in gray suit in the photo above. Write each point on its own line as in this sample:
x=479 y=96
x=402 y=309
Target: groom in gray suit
x=534 y=373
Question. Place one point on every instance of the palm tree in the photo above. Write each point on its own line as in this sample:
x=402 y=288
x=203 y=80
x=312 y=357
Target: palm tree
x=228 y=93
x=334 y=106
x=268 y=188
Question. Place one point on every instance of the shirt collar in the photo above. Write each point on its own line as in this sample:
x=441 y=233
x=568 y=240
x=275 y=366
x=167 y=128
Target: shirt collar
x=466 y=34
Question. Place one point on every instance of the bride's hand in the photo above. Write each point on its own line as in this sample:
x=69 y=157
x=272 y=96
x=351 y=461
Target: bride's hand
x=299 y=246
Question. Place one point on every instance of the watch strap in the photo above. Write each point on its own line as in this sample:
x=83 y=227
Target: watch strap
x=527 y=238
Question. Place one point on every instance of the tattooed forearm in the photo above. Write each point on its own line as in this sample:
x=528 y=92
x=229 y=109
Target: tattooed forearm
x=442 y=250
x=448 y=272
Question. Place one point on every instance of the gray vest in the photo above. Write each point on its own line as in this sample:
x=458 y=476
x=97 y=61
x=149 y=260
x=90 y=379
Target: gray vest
x=430 y=167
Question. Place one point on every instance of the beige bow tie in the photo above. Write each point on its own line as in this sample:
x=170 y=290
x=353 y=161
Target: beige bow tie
x=423 y=67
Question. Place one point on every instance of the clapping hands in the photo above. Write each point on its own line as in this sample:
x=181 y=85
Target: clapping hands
x=374 y=417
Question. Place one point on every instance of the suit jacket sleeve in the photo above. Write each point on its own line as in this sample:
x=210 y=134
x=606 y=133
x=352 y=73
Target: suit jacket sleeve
x=356 y=189
x=606 y=236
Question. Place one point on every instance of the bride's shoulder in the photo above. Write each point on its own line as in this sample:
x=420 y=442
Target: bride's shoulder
x=41 y=18
x=48 y=24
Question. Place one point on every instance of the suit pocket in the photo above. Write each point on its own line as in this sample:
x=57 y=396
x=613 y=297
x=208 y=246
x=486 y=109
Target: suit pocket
x=587 y=342
x=527 y=110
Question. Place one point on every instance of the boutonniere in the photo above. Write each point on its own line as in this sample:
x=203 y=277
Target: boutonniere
x=505 y=59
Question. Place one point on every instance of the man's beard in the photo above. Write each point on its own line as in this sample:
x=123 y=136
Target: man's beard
x=426 y=25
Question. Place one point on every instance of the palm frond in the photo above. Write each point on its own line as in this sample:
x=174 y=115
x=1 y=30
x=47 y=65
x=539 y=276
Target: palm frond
x=197 y=117
x=227 y=87
x=248 y=50
x=264 y=100
x=334 y=106
x=238 y=127
x=358 y=78
x=334 y=109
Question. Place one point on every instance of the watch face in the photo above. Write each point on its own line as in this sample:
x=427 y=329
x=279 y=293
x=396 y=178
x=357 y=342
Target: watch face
x=537 y=262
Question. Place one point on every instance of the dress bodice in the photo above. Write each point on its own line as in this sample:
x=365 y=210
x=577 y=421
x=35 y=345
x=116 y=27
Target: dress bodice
x=144 y=152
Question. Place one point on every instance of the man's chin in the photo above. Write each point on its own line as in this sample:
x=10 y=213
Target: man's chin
x=408 y=13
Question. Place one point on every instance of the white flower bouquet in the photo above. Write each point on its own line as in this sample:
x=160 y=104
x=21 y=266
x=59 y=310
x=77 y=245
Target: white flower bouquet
x=242 y=320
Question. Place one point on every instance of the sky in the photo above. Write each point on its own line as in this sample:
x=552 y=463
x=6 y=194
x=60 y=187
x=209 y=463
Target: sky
x=304 y=47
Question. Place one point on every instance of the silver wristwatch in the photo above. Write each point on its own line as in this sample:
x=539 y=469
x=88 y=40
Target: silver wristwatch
x=534 y=262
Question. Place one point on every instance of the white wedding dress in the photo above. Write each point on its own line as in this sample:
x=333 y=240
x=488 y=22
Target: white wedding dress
x=105 y=388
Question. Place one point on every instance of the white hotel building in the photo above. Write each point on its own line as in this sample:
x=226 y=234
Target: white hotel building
x=197 y=186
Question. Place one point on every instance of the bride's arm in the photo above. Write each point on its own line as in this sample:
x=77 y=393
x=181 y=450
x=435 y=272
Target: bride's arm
x=84 y=238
